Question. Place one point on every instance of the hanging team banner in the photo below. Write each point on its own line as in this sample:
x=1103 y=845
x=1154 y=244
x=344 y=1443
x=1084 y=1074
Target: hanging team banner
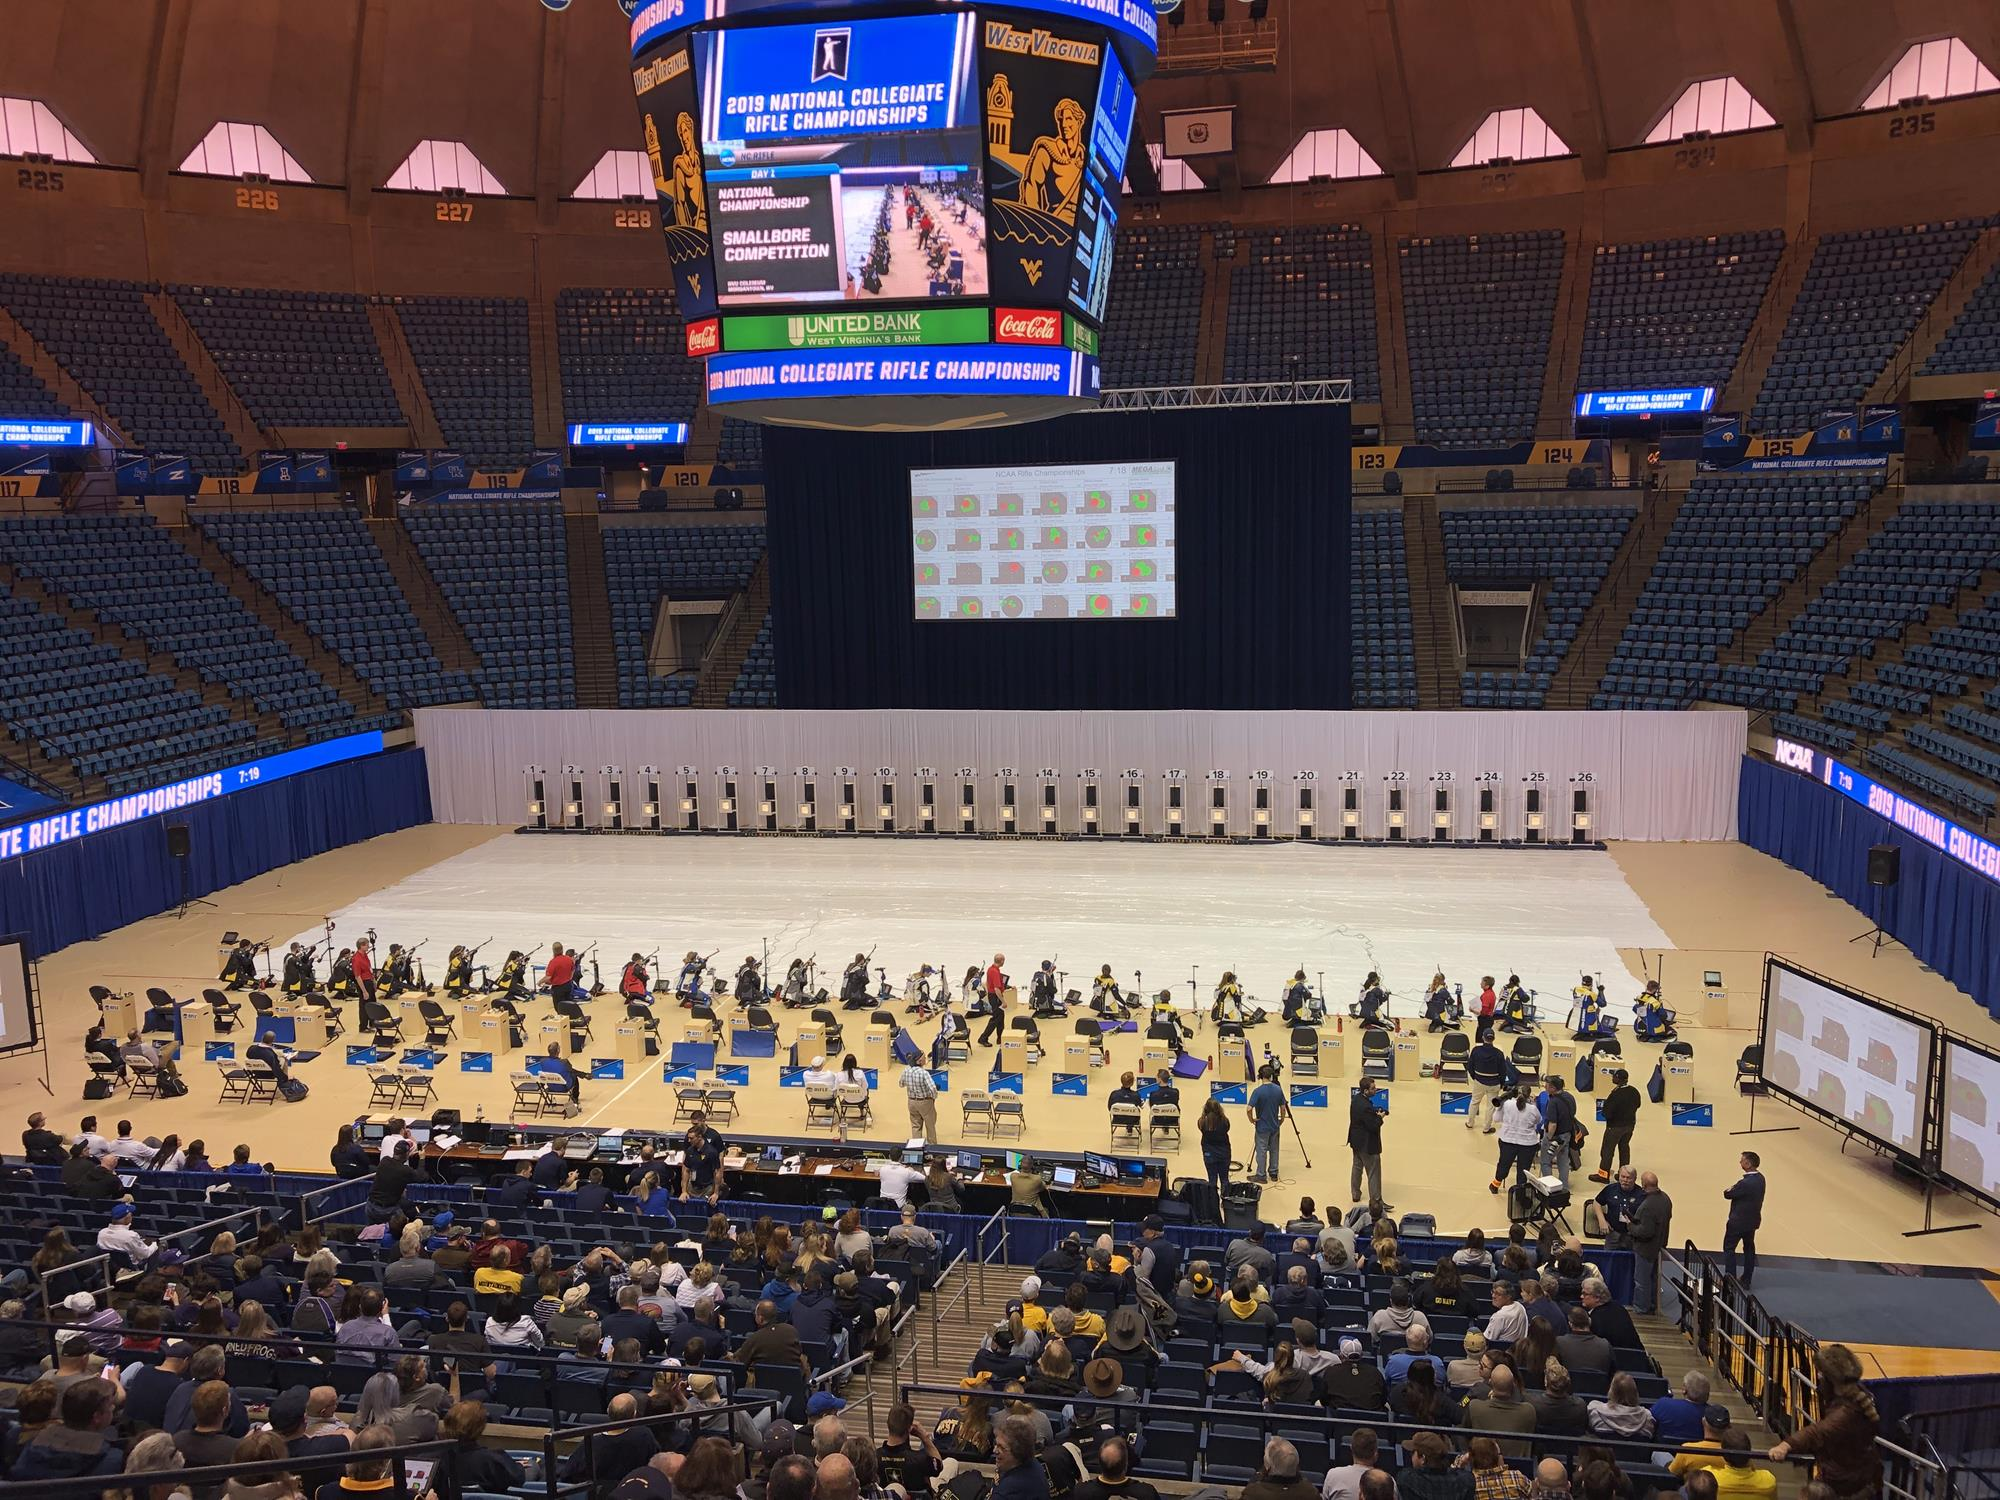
x=668 y=110
x=413 y=468
x=1040 y=90
x=134 y=472
x=312 y=471
x=1986 y=425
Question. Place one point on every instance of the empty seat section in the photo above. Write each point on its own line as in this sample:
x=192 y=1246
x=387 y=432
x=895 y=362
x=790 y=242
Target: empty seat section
x=296 y=359
x=757 y=682
x=1477 y=312
x=624 y=356
x=1972 y=343
x=1564 y=550
x=323 y=566
x=21 y=394
x=503 y=567
x=1152 y=322
x=103 y=333
x=68 y=694
x=127 y=569
x=645 y=565
x=1304 y=309
x=741 y=445
x=1674 y=312
x=475 y=360
x=1861 y=297
x=1383 y=643
x=1736 y=542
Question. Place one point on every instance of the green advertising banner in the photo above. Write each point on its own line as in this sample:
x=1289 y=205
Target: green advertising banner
x=1079 y=335
x=850 y=327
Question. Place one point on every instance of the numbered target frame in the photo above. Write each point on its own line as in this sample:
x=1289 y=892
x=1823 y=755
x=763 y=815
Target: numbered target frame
x=1091 y=808
x=1008 y=809
x=761 y=813
x=1131 y=803
x=1580 y=823
x=1046 y=813
x=965 y=800
x=803 y=811
x=1397 y=809
x=609 y=800
x=1440 y=824
x=536 y=798
x=1351 y=808
x=1306 y=812
x=1177 y=812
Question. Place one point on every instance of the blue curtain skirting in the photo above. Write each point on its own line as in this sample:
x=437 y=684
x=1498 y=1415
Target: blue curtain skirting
x=1946 y=915
x=85 y=889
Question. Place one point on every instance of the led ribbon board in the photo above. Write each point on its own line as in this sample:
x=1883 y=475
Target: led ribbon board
x=943 y=370
x=46 y=432
x=115 y=812
x=1679 y=402
x=622 y=434
x=1960 y=844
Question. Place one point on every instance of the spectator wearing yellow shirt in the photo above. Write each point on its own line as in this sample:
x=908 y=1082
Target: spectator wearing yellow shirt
x=1032 y=1312
x=1737 y=1478
x=497 y=1275
x=1706 y=1454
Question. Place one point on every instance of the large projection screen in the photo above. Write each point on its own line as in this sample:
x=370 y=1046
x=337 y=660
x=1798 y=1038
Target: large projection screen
x=1971 y=1149
x=17 y=1012
x=1847 y=1058
x=1043 y=542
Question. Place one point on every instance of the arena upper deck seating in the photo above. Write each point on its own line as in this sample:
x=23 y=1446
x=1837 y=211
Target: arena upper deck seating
x=1304 y=309
x=1152 y=323
x=1972 y=343
x=1736 y=542
x=323 y=566
x=1673 y=312
x=1566 y=548
x=624 y=357
x=741 y=444
x=643 y=565
x=1384 y=646
x=105 y=335
x=473 y=356
x=21 y=394
x=1861 y=297
x=131 y=572
x=1478 y=311
x=297 y=359
x=503 y=568
x=73 y=696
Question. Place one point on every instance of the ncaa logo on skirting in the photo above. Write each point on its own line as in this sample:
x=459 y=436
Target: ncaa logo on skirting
x=556 y=4
x=830 y=46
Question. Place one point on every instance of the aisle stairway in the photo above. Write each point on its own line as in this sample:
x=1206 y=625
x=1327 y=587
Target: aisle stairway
x=724 y=663
x=1604 y=623
x=590 y=615
x=1675 y=1356
x=1431 y=604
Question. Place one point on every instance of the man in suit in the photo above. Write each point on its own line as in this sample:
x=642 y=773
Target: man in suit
x=1746 y=1215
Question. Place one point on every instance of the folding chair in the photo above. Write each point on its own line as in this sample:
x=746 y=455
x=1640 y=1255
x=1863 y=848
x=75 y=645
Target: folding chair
x=822 y=1106
x=1126 y=1125
x=690 y=1101
x=1087 y=1027
x=263 y=1085
x=145 y=1079
x=1305 y=1052
x=1164 y=1120
x=103 y=1067
x=1378 y=1055
x=1527 y=1055
x=419 y=1086
x=381 y=1023
x=1453 y=1054
x=439 y=1028
x=1009 y=1109
x=855 y=1107
x=975 y=1105
x=385 y=1088
x=228 y=1014
x=722 y=1105
x=527 y=1092
x=235 y=1085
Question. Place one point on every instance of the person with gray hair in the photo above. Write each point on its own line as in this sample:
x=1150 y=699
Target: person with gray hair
x=155 y=1453
x=829 y=1432
x=1279 y=1479
x=1020 y=1476
x=836 y=1479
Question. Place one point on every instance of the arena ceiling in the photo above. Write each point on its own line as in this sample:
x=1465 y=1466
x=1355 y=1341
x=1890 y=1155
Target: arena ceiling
x=350 y=86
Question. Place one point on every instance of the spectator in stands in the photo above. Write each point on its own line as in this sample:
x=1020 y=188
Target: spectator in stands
x=907 y=1231
x=321 y=1429
x=1735 y=1479
x=208 y=1365
x=1843 y=1439
x=1473 y=1256
x=1248 y=1249
x=148 y=1388
x=1246 y=1303
x=773 y=1341
x=1114 y=1476
x=1551 y=1481
x=510 y=1327
x=41 y=1145
x=1343 y=1482
x=81 y=1443
x=1607 y=1319
x=1539 y=1299
x=1651 y=1228
x=1677 y=1419
x=472 y=1465
x=1378 y=1485
x=1502 y=1409
x=1508 y=1323
x=497 y=1275
x=368 y=1330
x=1399 y=1317
x=1014 y=1460
x=908 y=1457
x=1581 y=1349
x=1431 y=1476
x=257 y=1336
x=1619 y=1414
x=240 y=1164
x=966 y=1432
x=99 y=1323
x=1354 y=1383
x=262 y=1446
x=1418 y=1341
x=155 y=1453
x=1706 y=1451
x=119 y=1237
x=91 y=1177
x=365 y=1476
x=208 y=1441
x=1492 y=1478
x=1532 y=1353
x=1559 y=1411
x=837 y=1480
x=347 y=1157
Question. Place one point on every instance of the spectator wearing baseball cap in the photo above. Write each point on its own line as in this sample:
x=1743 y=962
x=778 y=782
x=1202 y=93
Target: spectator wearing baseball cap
x=118 y=1237
x=1706 y=1453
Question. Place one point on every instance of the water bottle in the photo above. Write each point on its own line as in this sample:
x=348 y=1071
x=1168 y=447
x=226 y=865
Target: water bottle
x=480 y=1115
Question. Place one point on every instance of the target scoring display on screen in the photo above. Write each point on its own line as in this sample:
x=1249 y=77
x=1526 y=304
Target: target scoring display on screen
x=1044 y=542
x=1855 y=1061
x=1972 y=1117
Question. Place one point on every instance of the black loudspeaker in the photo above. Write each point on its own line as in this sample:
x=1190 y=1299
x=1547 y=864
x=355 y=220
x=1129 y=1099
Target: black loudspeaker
x=178 y=846
x=653 y=498
x=1885 y=864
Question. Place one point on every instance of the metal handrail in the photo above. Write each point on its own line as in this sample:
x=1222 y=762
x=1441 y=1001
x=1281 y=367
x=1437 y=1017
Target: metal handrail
x=307 y=1198
x=583 y=1434
x=939 y=1309
x=979 y=1239
x=214 y=1476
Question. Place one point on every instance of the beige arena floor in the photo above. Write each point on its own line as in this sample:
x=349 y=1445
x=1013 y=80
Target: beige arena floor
x=1165 y=910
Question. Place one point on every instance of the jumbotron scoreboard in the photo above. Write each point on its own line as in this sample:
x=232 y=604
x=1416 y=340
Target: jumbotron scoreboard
x=869 y=207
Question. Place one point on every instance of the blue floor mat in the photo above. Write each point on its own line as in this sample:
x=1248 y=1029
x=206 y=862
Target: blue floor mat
x=1943 y=1311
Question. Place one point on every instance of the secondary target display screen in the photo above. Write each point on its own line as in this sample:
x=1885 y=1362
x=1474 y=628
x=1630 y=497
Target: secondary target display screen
x=1044 y=542
x=1851 y=1060
x=1972 y=1118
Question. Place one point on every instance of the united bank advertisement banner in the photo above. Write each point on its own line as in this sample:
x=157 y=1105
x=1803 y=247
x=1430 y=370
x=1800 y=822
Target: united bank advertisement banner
x=835 y=330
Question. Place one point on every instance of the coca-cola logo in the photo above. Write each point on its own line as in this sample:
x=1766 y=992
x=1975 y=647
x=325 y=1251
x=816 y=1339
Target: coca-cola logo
x=1016 y=326
x=704 y=337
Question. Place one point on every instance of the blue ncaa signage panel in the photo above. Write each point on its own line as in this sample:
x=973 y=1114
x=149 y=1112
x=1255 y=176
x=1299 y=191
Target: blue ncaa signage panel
x=621 y=434
x=1961 y=844
x=99 y=817
x=893 y=75
x=1680 y=401
x=948 y=370
x=46 y=432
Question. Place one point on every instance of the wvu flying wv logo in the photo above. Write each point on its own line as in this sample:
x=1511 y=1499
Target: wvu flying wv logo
x=830 y=48
x=1032 y=269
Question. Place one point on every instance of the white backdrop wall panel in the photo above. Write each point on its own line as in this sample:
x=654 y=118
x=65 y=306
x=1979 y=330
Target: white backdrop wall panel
x=1656 y=776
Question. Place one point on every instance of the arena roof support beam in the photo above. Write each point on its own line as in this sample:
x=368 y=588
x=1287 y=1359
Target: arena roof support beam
x=364 y=121
x=1795 y=100
x=157 y=156
x=549 y=186
x=1587 y=135
x=1385 y=48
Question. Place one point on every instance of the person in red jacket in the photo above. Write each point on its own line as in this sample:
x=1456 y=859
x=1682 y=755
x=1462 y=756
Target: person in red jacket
x=1489 y=1005
x=560 y=973
x=996 y=993
x=364 y=969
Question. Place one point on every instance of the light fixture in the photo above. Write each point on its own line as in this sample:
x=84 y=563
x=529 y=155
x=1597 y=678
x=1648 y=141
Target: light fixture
x=927 y=811
x=1488 y=820
x=886 y=810
x=805 y=809
x=1263 y=815
x=729 y=804
x=1579 y=820
x=650 y=809
x=1395 y=820
x=687 y=804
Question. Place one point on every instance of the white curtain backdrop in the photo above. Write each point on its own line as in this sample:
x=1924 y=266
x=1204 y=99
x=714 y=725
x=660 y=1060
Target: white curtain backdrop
x=1653 y=776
